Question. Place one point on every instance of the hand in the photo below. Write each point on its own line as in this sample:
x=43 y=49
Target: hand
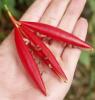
x=14 y=84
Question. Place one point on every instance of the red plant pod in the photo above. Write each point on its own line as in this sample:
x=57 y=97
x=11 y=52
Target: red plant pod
x=27 y=30
x=43 y=51
x=45 y=60
x=57 y=34
x=28 y=61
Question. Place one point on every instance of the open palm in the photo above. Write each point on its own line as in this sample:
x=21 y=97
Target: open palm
x=14 y=83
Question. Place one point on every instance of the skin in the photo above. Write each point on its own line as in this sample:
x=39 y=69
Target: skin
x=14 y=83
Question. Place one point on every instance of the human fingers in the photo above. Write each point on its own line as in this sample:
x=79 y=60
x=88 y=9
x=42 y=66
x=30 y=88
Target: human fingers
x=71 y=55
x=68 y=22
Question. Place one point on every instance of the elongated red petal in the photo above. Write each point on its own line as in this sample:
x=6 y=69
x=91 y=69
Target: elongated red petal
x=57 y=34
x=45 y=60
x=28 y=61
x=44 y=50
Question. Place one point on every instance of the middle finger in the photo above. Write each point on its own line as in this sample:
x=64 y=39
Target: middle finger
x=54 y=12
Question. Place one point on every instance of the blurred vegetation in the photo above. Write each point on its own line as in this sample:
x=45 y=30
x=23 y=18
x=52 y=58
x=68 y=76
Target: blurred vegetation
x=83 y=87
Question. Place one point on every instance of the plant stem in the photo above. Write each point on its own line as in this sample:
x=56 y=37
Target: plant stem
x=14 y=21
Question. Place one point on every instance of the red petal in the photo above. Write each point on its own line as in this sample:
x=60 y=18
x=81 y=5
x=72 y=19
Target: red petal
x=46 y=61
x=45 y=51
x=57 y=34
x=28 y=61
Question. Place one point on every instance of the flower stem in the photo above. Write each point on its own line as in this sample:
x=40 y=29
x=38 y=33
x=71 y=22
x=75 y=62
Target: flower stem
x=14 y=21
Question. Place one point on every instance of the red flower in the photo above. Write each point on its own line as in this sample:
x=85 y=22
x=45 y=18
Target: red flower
x=27 y=30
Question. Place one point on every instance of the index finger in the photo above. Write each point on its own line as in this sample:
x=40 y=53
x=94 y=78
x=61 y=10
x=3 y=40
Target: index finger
x=35 y=12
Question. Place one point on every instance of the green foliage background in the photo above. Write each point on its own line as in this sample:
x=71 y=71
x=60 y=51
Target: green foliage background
x=83 y=87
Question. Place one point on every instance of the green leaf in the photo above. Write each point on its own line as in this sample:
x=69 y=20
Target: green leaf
x=21 y=1
x=2 y=36
x=92 y=82
x=92 y=4
x=11 y=3
x=1 y=6
x=85 y=59
x=28 y=2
